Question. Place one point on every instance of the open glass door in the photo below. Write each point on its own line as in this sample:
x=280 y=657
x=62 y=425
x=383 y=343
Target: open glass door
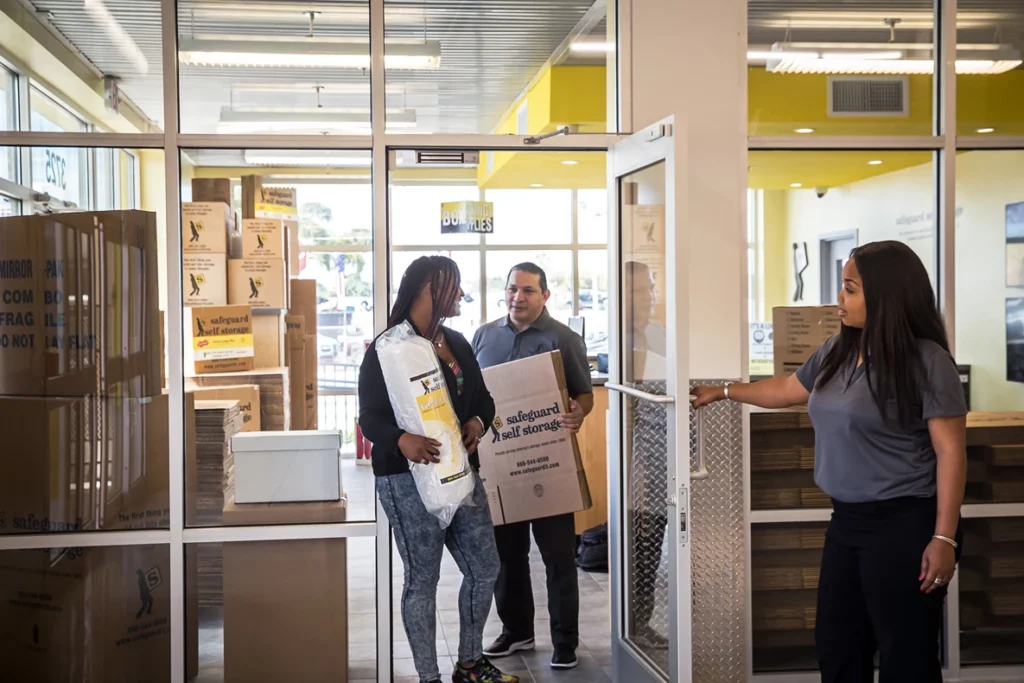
x=649 y=411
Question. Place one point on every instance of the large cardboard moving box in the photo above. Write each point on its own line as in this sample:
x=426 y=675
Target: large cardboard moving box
x=531 y=467
x=263 y=238
x=212 y=190
x=258 y=283
x=247 y=395
x=86 y=614
x=205 y=227
x=221 y=340
x=799 y=331
x=205 y=279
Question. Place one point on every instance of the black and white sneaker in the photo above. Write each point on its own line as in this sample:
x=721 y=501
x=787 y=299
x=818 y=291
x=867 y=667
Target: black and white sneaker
x=507 y=644
x=564 y=658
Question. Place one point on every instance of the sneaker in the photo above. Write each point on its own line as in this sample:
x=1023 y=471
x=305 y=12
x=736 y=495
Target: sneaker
x=506 y=645
x=564 y=658
x=482 y=672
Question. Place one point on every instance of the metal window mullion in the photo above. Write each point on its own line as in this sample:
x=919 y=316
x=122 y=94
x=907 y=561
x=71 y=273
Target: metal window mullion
x=333 y=248
x=594 y=142
x=84 y=539
x=381 y=297
x=946 y=123
x=992 y=142
x=284 y=532
x=173 y=344
x=81 y=140
x=288 y=142
x=574 y=242
x=24 y=171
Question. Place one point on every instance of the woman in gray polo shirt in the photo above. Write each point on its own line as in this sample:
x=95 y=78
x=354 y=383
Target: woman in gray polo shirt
x=890 y=429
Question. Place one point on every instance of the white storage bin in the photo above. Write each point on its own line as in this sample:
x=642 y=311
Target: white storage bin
x=287 y=467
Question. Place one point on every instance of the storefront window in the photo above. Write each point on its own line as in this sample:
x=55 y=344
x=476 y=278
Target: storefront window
x=60 y=172
x=988 y=99
x=532 y=216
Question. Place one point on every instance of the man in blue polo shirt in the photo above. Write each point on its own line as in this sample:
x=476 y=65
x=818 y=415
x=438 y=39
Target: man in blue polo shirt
x=529 y=330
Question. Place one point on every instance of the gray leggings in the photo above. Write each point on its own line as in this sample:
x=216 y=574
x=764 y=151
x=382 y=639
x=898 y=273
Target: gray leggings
x=421 y=542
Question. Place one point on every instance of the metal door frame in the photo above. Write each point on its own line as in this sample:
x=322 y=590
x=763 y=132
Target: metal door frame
x=663 y=142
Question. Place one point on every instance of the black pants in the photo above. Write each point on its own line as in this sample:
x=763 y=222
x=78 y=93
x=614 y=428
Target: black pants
x=556 y=539
x=869 y=596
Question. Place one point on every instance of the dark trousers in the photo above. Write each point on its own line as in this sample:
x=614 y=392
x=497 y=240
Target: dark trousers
x=513 y=593
x=869 y=596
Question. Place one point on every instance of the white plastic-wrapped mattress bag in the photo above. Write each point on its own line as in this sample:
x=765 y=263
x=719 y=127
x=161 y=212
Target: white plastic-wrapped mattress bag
x=422 y=405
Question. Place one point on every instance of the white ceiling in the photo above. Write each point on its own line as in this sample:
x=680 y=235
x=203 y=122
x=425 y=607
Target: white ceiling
x=490 y=49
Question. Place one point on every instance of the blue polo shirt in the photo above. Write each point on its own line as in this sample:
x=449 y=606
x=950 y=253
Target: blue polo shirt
x=498 y=342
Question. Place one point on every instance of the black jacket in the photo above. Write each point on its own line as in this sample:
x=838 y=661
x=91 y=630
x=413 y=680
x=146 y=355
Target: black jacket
x=377 y=418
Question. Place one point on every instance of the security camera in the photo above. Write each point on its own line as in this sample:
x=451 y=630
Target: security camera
x=821 y=191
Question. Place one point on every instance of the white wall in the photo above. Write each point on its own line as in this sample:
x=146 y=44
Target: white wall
x=899 y=206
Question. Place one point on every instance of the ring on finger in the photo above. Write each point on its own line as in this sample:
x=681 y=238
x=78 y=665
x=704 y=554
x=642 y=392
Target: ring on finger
x=939 y=581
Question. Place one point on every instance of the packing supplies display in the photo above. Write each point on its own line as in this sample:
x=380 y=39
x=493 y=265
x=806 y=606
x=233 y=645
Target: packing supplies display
x=263 y=238
x=287 y=467
x=209 y=476
x=86 y=614
x=79 y=303
x=221 y=340
x=205 y=279
x=799 y=331
x=257 y=283
x=205 y=227
x=422 y=405
x=531 y=467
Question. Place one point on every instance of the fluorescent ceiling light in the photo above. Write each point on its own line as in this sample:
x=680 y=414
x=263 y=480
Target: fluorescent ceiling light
x=117 y=35
x=537 y=185
x=881 y=58
x=303 y=53
x=321 y=120
x=986 y=131
x=875 y=162
x=311 y=157
x=795 y=185
x=804 y=131
x=591 y=47
x=569 y=162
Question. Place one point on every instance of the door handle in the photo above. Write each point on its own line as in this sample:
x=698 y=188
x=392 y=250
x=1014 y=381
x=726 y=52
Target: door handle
x=642 y=395
x=701 y=471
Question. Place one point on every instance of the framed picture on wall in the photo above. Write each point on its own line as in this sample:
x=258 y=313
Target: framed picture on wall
x=1015 y=245
x=1015 y=340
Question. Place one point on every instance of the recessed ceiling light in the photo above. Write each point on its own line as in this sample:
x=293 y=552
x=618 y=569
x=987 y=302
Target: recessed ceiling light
x=875 y=162
x=984 y=131
x=804 y=131
x=537 y=185
x=569 y=162
x=796 y=184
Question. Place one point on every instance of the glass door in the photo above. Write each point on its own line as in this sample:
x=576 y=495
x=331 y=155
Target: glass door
x=649 y=411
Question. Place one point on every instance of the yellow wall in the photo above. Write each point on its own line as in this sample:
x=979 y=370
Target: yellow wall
x=899 y=206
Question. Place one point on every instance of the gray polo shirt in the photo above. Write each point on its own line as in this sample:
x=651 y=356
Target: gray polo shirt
x=858 y=457
x=498 y=342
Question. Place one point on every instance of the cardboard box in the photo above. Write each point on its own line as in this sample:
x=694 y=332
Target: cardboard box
x=257 y=283
x=212 y=190
x=799 y=331
x=205 y=280
x=303 y=303
x=296 y=362
x=263 y=238
x=311 y=382
x=274 y=395
x=86 y=614
x=55 y=443
x=247 y=395
x=530 y=466
x=205 y=227
x=294 y=250
x=268 y=337
x=79 y=303
x=287 y=467
x=221 y=339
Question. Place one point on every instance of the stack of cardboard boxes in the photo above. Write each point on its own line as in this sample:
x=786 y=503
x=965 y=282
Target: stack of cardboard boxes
x=204 y=260
x=84 y=425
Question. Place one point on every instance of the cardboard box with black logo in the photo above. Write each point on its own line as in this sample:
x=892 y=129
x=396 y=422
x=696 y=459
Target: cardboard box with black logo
x=221 y=339
x=257 y=283
x=799 y=331
x=263 y=238
x=531 y=467
x=205 y=280
x=205 y=227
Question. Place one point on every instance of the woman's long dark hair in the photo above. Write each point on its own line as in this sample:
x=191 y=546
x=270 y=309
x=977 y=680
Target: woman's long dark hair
x=901 y=312
x=441 y=273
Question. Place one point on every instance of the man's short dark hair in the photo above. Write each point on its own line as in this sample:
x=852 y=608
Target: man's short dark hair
x=533 y=269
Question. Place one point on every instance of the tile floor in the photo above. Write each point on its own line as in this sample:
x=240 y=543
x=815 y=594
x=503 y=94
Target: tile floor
x=531 y=667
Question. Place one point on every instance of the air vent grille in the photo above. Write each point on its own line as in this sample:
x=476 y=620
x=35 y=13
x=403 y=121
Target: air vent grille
x=867 y=96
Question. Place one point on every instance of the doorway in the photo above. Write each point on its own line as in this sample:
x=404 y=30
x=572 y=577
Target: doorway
x=835 y=252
